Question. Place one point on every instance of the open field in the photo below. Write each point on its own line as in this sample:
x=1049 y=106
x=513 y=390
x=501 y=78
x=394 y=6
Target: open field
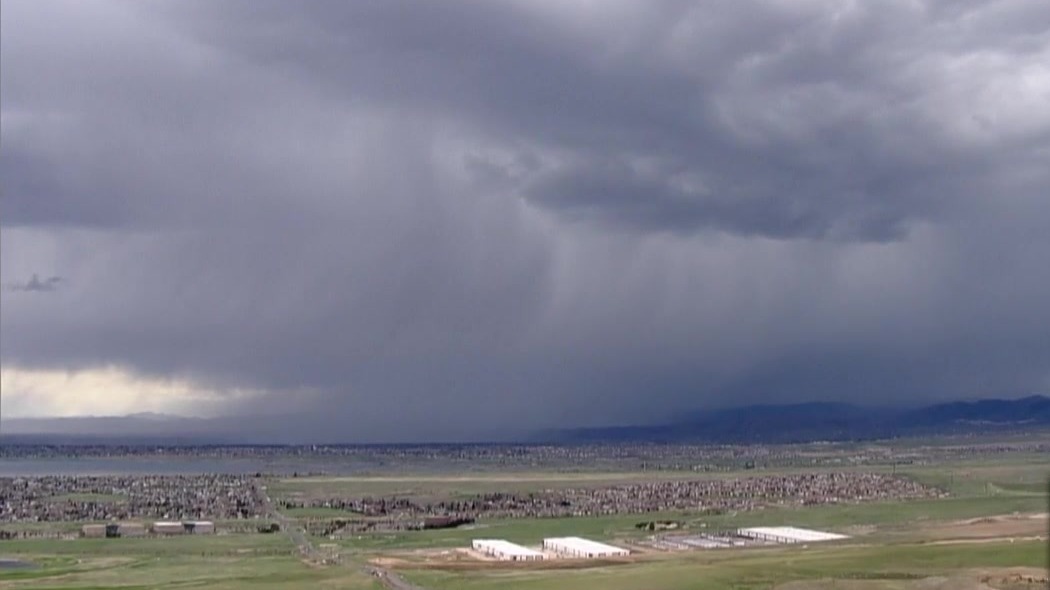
x=462 y=485
x=229 y=562
x=1027 y=472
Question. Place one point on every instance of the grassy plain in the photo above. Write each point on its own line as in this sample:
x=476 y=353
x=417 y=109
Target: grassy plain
x=969 y=477
x=223 y=562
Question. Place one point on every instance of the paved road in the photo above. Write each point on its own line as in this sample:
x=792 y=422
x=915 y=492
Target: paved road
x=290 y=527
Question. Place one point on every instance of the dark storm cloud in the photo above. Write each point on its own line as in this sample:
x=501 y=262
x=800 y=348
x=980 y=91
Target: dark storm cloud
x=805 y=121
x=467 y=217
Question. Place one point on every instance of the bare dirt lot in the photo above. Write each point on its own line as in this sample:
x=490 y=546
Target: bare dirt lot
x=466 y=559
x=991 y=527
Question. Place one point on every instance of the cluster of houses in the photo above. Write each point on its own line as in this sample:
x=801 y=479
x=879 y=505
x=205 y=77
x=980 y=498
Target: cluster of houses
x=135 y=529
x=642 y=497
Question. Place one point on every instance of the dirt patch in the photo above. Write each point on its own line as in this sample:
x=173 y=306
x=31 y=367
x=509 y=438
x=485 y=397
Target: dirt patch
x=431 y=557
x=1017 y=578
x=468 y=560
x=993 y=579
x=546 y=565
x=1006 y=518
x=996 y=527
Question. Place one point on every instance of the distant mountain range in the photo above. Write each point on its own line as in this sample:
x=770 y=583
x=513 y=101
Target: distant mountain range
x=142 y=428
x=820 y=421
x=804 y=422
x=165 y=429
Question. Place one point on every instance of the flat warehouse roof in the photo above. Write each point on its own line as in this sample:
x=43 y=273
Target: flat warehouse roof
x=790 y=532
x=508 y=548
x=585 y=545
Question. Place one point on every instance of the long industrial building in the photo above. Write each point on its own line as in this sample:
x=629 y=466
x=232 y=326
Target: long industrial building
x=113 y=530
x=505 y=550
x=168 y=528
x=577 y=547
x=190 y=527
x=787 y=534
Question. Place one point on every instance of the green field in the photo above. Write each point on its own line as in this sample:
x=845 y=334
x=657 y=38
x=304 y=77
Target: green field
x=453 y=486
x=224 y=562
x=1028 y=472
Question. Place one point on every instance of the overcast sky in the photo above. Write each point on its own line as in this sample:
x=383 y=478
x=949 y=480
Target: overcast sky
x=458 y=218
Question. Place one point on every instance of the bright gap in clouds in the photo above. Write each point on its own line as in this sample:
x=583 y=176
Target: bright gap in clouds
x=107 y=391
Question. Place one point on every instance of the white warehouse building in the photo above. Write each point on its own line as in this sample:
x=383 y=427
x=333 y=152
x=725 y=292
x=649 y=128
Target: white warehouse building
x=505 y=550
x=168 y=528
x=787 y=534
x=189 y=527
x=577 y=547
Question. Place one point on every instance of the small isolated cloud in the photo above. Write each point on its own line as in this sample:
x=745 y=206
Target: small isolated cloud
x=37 y=285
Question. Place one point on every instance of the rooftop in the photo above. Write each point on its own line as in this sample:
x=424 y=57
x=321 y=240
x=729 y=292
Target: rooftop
x=584 y=544
x=791 y=532
x=509 y=548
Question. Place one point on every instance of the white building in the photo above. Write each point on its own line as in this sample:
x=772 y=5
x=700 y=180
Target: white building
x=505 y=550
x=787 y=534
x=577 y=547
x=168 y=528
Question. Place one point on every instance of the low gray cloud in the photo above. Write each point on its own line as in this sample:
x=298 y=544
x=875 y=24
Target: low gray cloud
x=410 y=220
x=36 y=285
